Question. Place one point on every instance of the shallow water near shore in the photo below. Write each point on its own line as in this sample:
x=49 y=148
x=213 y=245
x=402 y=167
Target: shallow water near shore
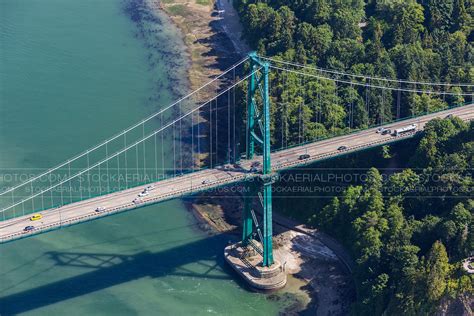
x=73 y=73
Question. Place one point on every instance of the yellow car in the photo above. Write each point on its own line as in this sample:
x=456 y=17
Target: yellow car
x=36 y=217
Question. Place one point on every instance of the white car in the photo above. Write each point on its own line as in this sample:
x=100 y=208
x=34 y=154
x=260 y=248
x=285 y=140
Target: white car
x=150 y=187
x=100 y=209
x=380 y=130
x=142 y=194
x=206 y=181
x=137 y=201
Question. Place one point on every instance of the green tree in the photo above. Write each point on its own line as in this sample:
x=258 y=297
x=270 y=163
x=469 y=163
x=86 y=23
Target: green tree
x=344 y=23
x=326 y=219
x=315 y=39
x=440 y=14
x=426 y=103
x=408 y=22
x=437 y=267
x=402 y=183
x=457 y=99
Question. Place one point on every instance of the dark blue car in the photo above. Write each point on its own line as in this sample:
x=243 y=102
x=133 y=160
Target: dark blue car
x=28 y=228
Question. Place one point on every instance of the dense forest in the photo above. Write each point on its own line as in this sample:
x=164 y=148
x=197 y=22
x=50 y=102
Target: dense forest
x=407 y=232
x=418 y=40
x=424 y=41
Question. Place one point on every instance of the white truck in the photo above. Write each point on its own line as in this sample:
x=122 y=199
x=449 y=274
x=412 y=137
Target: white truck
x=407 y=129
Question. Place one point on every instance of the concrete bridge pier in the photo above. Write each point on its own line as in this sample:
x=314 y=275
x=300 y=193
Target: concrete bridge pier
x=252 y=259
x=247 y=262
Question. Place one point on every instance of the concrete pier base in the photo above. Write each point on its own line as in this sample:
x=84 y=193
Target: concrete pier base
x=247 y=262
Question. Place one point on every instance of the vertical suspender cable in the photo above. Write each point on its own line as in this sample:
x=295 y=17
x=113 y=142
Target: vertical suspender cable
x=119 y=174
x=107 y=166
x=13 y=203
x=303 y=110
x=228 y=126
x=234 y=141
x=144 y=153
x=51 y=190
x=284 y=100
x=199 y=137
x=70 y=185
x=216 y=161
x=62 y=196
x=126 y=162
x=398 y=100
x=80 y=188
x=136 y=158
x=174 y=149
x=210 y=131
x=100 y=179
x=42 y=201
x=156 y=160
x=192 y=142
x=180 y=138
x=299 y=114
x=32 y=193
x=88 y=174
x=162 y=149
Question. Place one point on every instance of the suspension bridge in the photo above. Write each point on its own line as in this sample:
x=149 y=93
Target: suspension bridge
x=222 y=134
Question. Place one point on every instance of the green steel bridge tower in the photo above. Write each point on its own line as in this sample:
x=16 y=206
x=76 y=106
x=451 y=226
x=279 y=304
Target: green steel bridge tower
x=258 y=93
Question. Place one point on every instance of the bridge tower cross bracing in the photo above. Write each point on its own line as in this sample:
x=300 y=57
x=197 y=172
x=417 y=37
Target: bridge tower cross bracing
x=260 y=85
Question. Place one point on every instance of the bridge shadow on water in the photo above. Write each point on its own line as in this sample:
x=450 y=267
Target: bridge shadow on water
x=108 y=270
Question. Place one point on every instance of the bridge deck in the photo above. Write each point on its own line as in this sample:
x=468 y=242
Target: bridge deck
x=191 y=183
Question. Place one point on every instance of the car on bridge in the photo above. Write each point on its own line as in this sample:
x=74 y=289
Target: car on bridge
x=255 y=164
x=206 y=181
x=28 y=228
x=380 y=130
x=137 y=201
x=342 y=147
x=150 y=187
x=143 y=194
x=304 y=156
x=386 y=131
x=36 y=217
x=254 y=169
x=227 y=167
x=99 y=209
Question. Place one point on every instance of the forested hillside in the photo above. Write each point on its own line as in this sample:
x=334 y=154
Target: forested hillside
x=428 y=41
x=407 y=234
x=418 y=40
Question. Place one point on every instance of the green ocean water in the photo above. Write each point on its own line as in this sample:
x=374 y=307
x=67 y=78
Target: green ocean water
x=71 y=74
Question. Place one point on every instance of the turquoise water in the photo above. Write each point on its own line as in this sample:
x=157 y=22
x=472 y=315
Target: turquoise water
x=72 y=73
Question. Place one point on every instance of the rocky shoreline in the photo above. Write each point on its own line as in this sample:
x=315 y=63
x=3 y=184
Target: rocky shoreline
x=160 y=41
x=208 y=48
x=318 y=280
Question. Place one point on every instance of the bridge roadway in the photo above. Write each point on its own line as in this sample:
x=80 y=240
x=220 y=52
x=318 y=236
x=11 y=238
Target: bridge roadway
x=187 y=184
